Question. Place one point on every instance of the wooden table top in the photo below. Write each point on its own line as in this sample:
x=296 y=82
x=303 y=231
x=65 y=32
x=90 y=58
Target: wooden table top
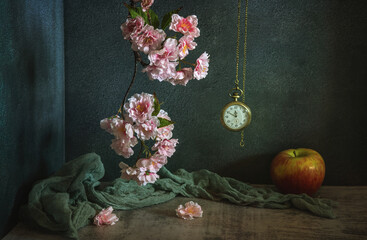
x=227 y=221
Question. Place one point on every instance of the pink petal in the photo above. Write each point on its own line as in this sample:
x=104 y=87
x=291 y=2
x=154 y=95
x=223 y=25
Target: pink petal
x=105 y=217
x=190 y=211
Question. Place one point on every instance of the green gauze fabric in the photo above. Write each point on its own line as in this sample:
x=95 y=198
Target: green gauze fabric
x=70 y=198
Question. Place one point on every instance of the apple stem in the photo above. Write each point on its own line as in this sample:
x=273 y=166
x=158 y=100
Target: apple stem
x=295 y=153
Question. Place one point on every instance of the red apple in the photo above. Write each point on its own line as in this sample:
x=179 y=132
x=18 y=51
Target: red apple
x=297 y=171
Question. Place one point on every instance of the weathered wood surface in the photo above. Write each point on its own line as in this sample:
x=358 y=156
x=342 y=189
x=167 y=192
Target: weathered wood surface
x=226 y=221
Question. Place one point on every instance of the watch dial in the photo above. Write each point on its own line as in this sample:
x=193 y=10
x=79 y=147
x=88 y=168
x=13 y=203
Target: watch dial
x=236 y=117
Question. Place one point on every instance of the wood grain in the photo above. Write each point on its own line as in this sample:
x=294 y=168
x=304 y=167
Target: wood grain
x=226 y=221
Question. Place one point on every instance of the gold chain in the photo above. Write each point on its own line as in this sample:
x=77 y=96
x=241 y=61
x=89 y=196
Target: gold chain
x=244 y=53
x=236 y=82
x=242 y=143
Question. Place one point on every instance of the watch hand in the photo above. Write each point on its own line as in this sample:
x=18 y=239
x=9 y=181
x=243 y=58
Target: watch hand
x=235 y=113
x=232 y=114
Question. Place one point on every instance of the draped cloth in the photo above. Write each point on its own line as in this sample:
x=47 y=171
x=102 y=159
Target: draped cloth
x=69 y=199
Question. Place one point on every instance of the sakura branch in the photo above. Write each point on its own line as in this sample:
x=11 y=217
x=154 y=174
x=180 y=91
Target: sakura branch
x=165 y=54
x=141 y=119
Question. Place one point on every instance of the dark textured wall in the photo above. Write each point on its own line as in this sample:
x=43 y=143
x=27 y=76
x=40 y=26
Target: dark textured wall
x=31 y=99
x=305 y=85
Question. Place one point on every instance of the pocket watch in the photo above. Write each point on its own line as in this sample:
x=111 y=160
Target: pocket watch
x=235 y=115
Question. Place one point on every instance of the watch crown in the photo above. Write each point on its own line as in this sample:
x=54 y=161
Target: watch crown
x=235 y=96
x=236 y=93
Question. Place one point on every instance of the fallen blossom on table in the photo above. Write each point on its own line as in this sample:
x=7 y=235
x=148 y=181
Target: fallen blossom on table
x=105 y=217
x=190 y=211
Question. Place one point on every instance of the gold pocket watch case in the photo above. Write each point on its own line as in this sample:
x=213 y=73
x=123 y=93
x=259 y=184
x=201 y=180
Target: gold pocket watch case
x=235 y=115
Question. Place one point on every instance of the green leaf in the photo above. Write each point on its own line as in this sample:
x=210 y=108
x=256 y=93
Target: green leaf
x=164 y=122
x=134 y=12
x=157 y=106
x=166 y=21
x=143 y=14
x=154 y=20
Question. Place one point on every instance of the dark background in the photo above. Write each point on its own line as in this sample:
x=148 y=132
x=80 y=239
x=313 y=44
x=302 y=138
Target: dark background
x=305 y=85
x=31 y=99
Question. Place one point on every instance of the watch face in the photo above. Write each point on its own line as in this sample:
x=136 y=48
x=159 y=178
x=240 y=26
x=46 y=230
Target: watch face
x=236 y=117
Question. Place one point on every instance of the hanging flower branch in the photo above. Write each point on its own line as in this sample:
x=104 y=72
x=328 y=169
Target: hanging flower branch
x=166 y=54
x=141 y=119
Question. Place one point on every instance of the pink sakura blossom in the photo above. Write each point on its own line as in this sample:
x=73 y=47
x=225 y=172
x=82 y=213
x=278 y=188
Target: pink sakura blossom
x=105 y=217
x=163 y=114
x=127 y=172
x=122 y=146
x=128 y=119
x=163 y=62
x=132 y=27
x=153 y=164
x=118 y=127
x=186 y=26
x=140 y=107
x=161 y=72
x=166 y=147
x=186 y=43
x=146 y=172
x=164 y=132
x=169 y=52
x=202 y=66
x=182 y=77
x=106 y=124
x=147 y=129
x=145 y=176
x=157 y=161
x=123 y=131
x=149 y=39
x=190 y=211
x=145 y=4
x=144 y=162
